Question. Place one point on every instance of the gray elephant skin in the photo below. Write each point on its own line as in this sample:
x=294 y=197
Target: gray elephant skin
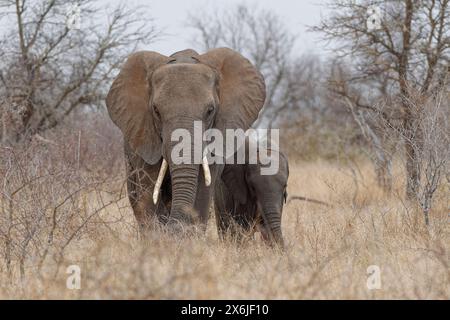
x=247 y=200
x=155 y=94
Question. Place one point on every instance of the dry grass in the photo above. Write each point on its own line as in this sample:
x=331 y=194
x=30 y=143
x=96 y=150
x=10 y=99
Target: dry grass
x=328 y=249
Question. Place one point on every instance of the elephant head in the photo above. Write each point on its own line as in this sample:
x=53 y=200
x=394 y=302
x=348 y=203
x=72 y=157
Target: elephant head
x=155 y=94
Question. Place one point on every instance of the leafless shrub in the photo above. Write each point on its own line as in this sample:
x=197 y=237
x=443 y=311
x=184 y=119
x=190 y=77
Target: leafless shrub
x=406 y=50
x=434 y=151
x=49 y=68
x=328 y=248
x=258 y=34
x=431 y=141
x=53 y=191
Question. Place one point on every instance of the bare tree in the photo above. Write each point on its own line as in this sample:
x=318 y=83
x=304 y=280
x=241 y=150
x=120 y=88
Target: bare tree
x=396 y=48
x=374 y=130
x=433 y=148
x=302 y=93
x=259 y=35
x=60 y=55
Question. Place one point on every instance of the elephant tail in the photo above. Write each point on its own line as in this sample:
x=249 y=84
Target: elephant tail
x=301 y=198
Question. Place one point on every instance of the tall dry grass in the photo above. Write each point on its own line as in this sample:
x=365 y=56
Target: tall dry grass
x=63 y=202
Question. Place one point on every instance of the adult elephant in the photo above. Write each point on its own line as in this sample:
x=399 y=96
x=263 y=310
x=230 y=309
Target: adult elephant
x=155 y=94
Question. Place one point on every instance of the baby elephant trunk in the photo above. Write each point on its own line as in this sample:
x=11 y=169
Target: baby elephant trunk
x=272 y=224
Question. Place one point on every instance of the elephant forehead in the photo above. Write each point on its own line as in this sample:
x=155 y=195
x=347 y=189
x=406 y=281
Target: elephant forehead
x=191 y=83
x=193 y=74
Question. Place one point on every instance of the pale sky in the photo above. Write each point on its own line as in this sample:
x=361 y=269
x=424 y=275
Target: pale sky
x=172 y=14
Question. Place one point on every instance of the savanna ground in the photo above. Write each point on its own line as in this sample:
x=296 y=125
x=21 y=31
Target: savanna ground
x=63 y=203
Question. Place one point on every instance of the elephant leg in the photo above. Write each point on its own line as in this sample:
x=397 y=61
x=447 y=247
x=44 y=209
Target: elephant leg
x=245 y=220
x=140 y=184
x=220 y=209
x=223 y=210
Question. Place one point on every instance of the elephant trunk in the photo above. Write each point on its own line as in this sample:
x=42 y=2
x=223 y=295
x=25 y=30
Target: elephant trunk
x=184 y=188
x=184 y=175
x=272 y=222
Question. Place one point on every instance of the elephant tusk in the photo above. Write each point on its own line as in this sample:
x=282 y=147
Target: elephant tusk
x=206 y=171
x=159 y=181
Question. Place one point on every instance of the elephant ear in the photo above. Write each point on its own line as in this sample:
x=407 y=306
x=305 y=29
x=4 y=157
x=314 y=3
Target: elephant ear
x=128 y=104
x=242 y=89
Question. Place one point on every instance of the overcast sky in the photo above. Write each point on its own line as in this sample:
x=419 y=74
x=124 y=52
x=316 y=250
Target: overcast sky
x=172 y=14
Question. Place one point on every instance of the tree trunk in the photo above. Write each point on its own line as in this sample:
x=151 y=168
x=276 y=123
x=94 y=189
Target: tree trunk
x=412 y=170
x=383 y=171
x=15 y=115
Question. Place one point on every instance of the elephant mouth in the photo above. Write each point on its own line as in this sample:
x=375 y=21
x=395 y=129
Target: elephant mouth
x=163 y=171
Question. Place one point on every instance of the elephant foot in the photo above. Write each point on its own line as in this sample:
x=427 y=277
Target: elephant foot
x=182 y=230
x=272 y=240
x=184 y=223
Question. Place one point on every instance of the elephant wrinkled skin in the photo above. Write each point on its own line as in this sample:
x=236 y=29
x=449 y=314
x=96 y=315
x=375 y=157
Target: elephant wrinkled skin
x=154 y=95
x=247 y=201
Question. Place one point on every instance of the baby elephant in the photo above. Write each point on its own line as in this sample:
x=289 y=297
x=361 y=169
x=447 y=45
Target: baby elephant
x=246 y=200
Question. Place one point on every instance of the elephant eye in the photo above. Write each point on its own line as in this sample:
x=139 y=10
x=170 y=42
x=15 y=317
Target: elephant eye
x=209 y=110
x=156 y=111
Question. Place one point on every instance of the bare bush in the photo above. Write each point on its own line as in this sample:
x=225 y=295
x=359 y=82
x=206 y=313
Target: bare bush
x=434 y=148
x=259 y=35
x=328 y=249
x=52 y=193
x=431 y=142
x=51 y=66
x=298 y=100
x=403 y=47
